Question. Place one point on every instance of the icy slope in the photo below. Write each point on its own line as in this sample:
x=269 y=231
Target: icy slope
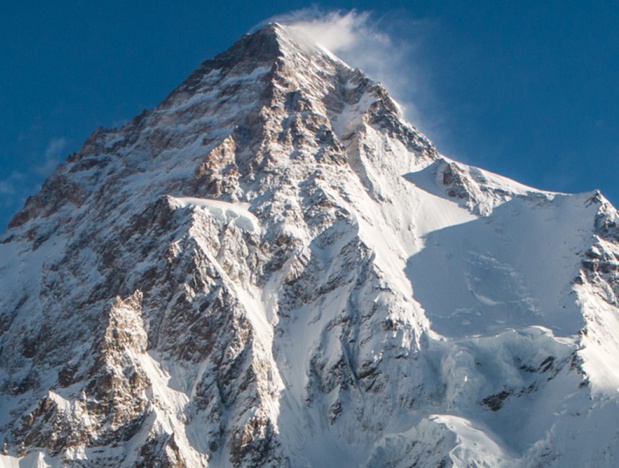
x=272 y=268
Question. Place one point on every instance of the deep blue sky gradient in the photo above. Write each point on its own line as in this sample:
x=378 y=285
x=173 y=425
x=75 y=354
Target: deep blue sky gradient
x=527 y=89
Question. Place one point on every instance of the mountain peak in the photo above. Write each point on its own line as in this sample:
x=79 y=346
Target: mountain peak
x=290 y=40
x=261 y=48
x=273 y=268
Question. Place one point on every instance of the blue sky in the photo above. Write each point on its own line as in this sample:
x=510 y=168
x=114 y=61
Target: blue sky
x=527 y=89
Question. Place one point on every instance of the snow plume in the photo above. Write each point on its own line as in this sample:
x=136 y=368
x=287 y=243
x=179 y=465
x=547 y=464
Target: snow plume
x=385 y=48
x=337 y=31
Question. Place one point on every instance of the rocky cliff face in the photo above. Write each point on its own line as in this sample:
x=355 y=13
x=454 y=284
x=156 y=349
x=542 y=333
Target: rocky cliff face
x=272 y=268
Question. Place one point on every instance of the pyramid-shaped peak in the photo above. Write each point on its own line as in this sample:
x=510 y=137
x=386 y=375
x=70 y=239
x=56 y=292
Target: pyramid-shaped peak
x=275 y=73
x=264 y=46
x=260 y=47
x=274 y=247
x=263 y=49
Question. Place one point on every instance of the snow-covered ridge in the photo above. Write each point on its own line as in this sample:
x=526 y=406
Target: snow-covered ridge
x=225 y=212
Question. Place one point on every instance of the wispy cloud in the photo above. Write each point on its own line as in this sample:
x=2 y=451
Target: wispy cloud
x=11 y=196
x=386 y=48
x=8 y=185
x=15 y=188
x=53 y=156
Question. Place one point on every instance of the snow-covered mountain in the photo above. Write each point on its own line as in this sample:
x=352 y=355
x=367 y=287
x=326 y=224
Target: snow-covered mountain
x=273 y=268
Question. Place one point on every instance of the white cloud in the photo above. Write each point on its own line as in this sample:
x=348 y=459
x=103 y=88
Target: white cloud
x=53 y=156
x=386 y=49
